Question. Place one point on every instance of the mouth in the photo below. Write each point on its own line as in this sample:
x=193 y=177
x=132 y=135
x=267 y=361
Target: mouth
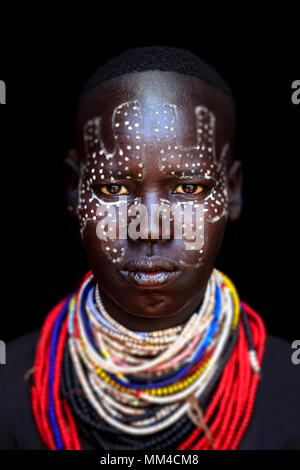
x=150 y=272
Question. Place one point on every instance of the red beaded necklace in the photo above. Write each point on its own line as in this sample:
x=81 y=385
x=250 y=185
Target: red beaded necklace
x=234 y=398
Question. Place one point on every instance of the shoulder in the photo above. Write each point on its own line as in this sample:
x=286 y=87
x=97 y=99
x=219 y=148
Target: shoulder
x=276 y=415
x=19 y=354
x=15 y=408
x=278 y=365
x=281 y=378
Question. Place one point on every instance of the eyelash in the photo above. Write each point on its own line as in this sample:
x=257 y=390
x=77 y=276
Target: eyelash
x=103 y=188
x=190 y=184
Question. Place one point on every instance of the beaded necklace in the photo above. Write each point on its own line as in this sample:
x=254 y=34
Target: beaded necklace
x=147 y=390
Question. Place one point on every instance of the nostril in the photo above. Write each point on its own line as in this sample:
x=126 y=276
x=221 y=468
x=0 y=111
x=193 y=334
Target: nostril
x=151 y=222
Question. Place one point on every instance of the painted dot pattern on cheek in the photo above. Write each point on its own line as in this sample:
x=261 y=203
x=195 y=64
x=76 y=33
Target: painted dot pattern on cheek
x=188 y=222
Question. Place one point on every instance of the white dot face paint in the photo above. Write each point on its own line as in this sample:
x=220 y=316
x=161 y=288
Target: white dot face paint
x=104 y=167
x=202 y=158
x=132 y=128
x=189 y=163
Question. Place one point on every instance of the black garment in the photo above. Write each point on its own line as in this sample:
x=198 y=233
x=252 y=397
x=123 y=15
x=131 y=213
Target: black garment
x=275 y=423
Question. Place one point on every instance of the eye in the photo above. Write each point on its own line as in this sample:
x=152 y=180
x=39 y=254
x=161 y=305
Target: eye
x=189 y=189
x=113 y=189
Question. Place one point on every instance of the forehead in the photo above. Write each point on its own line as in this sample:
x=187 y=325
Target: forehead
x=147 y=107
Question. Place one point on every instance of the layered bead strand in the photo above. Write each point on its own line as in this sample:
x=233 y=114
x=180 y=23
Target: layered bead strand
x=149 y=390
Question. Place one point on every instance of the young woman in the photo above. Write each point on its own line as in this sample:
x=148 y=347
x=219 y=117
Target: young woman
x=154 y=350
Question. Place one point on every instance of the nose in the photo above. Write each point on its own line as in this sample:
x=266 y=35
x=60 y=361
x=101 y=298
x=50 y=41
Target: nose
x=152 y=219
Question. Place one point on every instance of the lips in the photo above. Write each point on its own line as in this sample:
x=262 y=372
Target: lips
x=150 y=272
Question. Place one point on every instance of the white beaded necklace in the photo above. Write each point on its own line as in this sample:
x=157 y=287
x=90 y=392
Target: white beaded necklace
x=111 y=402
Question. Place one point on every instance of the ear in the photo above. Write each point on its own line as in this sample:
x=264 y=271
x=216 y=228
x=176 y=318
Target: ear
x=71 y=169
x=235 y=178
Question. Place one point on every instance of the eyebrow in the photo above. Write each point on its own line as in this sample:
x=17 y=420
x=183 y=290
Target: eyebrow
x=116 y=173
x=186 y=172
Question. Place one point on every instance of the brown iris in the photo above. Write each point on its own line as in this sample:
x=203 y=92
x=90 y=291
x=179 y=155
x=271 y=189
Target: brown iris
x=113 y=189
x=189 y=189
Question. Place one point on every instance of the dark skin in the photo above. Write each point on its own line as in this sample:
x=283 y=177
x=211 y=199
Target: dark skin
x=170 y=304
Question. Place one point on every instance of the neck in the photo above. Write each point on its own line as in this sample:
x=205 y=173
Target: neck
x=135 y=323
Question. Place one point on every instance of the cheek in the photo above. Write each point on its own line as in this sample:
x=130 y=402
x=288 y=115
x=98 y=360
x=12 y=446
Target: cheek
x=210 y=236
x=87 y=203
x=114 y=250
x=216 y=204
x=214 y=233
x=99 y=227
x=102 y=253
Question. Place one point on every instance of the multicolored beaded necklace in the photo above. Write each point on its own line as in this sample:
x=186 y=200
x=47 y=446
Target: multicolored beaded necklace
x=188 y=387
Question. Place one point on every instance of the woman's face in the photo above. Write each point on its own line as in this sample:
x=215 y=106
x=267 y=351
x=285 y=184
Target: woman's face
x=154 y=145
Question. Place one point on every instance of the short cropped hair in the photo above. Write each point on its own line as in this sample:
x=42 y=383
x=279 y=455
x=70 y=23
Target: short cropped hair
x=163 y=58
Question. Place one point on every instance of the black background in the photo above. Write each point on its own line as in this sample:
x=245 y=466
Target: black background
x=43 y=64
